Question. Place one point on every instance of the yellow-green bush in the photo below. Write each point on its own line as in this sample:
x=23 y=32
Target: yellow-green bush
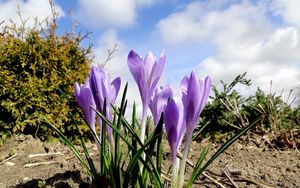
x=33 y=64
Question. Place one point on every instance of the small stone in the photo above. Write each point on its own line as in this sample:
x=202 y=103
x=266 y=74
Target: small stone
x=9 y=163
x=239 y=146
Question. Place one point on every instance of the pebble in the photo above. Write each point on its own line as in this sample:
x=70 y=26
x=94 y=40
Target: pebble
x=9 y=163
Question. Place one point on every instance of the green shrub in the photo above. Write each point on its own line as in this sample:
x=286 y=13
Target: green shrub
x=276 y=113
x=33 y=65
x=225 y=112
x=228 y=111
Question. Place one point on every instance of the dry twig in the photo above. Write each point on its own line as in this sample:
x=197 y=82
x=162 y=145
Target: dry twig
x=44 y=154
x=7 y=159
x=40 y=163
x=226 y=173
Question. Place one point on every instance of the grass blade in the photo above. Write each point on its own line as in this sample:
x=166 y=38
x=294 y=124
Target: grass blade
x=197 y=167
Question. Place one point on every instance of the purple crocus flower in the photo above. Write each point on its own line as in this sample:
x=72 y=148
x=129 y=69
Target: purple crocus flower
x=175 y=124
x=85 y=100
x=103 y=89
x=159 y=101
x=175 y=127
x=146 y=74
x=194 y=97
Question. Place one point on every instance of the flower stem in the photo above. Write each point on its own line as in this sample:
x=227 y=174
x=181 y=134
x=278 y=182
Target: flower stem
x=144 y=119
x=175 y=166
x=143 y=131
x=184 y=158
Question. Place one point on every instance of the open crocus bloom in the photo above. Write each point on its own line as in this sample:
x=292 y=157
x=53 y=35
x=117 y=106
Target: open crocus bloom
x=194 y=97
x=85 y=100
x=159 y=101
x=102 y=90
x=146 y=73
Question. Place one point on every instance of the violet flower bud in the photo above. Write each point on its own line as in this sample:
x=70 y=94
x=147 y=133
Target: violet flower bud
x=175 y=124
x=103 y=89
x=194 y=97
x=85 y=100
x=159 y=101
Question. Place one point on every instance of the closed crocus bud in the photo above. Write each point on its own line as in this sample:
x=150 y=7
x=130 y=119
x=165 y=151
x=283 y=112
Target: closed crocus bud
x=85 y=100
x=175 y=128
x=159 y=101
x=194 y=97
x=175 y=124
x=103 y=89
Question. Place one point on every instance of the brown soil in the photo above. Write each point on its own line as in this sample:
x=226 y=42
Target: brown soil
x=253 y=166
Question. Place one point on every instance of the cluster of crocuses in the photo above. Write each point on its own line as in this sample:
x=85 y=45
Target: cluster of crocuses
x=180 y=117
x=97 y=93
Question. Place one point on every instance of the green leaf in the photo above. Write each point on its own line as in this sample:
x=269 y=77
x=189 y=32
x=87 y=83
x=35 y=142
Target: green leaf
x=197 y=169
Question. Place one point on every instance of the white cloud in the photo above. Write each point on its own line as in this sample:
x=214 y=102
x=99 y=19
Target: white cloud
x=102 y=12
x=112 y=13
x=117 y=66
x=195 y=23
x=282 y=46
x=245 y=41
x=289 y=10
x=29 y=9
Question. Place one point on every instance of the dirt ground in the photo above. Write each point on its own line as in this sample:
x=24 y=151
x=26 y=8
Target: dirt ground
x=28 y=162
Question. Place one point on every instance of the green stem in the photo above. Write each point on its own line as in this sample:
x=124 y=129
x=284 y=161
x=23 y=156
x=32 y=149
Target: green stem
x=143 y=131
x=184 y=158
x=144 y=119
x=174 y=172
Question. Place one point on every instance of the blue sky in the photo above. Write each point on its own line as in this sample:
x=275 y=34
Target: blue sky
x=211 y=37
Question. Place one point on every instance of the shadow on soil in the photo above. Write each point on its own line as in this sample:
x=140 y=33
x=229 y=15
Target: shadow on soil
x=58 y=180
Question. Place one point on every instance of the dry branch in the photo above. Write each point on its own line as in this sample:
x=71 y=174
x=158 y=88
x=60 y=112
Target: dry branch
x=7 y=159
x=40 y=163
x=44 y=154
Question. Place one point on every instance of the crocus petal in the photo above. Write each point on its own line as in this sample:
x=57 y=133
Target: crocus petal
x=85 y=100
x=194 y=97
x=193 y=100
x=207 y=88
x=148 y=65
x=97 y=86
x=183 y=88
x=156 y=72
x=136 y=67
x=159 y=101
x=115 y=87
